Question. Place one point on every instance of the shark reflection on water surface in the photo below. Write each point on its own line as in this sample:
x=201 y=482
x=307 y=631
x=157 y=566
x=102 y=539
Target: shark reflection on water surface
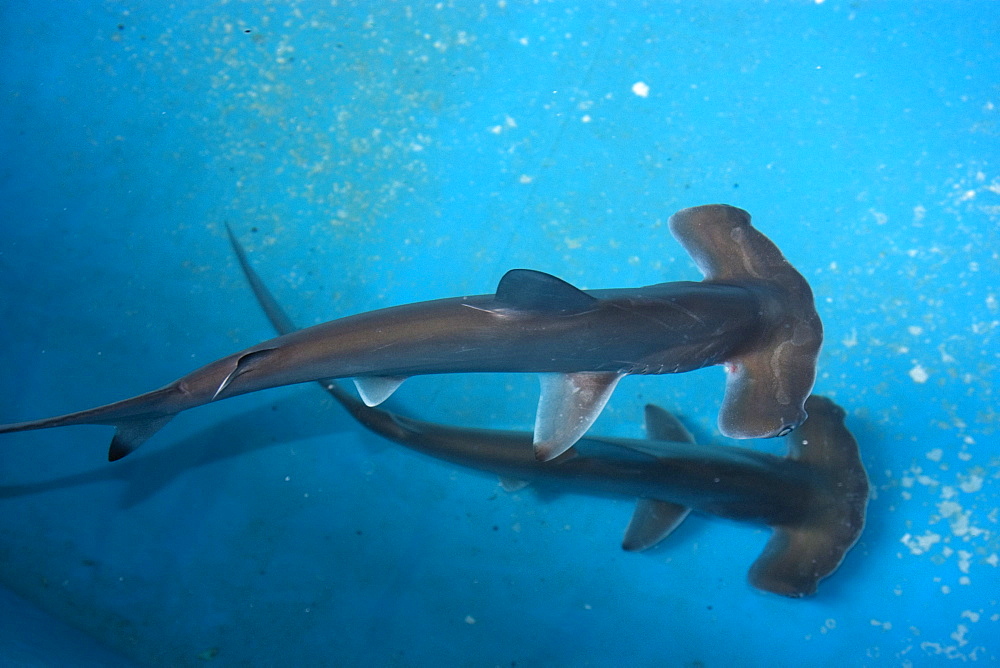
x=754 y=313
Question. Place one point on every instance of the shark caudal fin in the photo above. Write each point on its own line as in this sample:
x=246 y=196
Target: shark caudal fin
x=768 y=383
x=134 y=419
x=798 y=556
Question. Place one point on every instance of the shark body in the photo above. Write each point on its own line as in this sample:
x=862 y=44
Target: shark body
x=814 y=499
x=753 y=312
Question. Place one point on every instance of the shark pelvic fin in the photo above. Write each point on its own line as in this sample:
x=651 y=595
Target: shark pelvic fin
x=247 y=362
x=537 y=291
x=652 y=521
x=376 y=389
x=569 y=403
x=130 y=434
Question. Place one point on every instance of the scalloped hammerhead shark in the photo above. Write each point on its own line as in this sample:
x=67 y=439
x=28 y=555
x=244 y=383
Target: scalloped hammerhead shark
x=754 y=313
x=814 y=500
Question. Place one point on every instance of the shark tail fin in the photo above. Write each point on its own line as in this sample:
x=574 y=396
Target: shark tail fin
x=769 y=381
x=799 y=555
x=136 y=419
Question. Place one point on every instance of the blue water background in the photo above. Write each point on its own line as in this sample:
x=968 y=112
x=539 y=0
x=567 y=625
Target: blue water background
x=375 y=153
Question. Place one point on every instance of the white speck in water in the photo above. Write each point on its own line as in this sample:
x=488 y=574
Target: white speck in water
x=640 y=89
x=915 y=330
x=919 y=374
x=469 y=619
x=935 y=454
x=880 y=218
x=973 y=483
x=964 y=561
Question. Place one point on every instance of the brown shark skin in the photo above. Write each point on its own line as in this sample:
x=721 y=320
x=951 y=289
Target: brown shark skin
x=765 y=331
x=815 y=499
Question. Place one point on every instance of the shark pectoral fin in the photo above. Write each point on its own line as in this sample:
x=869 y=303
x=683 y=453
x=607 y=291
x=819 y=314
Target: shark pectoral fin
x=537 y=291
x=569 y=403
x=513 y=484
x=247 y=362
x=661 y=425
x=376 y=389
x=652 y=521
x=130 y=434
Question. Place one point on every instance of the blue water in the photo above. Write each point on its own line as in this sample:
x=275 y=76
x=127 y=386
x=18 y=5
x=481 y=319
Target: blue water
x=373 y=153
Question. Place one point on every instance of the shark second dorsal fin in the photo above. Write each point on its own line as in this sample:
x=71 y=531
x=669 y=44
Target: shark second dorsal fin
x=537 y=291
x=247 y=362
x=652 y=521
x=662 y=425
x=376 y=389
x=567 y=406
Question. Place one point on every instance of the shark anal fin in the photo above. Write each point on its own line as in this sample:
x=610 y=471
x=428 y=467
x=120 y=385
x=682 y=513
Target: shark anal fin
x=376 y=389
x=130 y=434
x=652 y=521
x=662 y=425
x=567 y=407
x=537 y=291
x=247 y=362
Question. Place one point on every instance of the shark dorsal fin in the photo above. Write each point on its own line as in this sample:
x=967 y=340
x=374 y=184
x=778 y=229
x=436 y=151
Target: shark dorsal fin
x=662 y=425
x=537 y=291
x=652 y=521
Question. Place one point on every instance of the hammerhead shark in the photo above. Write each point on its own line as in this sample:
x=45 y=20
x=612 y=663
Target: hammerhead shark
x=754 y=313
x=814 y=499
